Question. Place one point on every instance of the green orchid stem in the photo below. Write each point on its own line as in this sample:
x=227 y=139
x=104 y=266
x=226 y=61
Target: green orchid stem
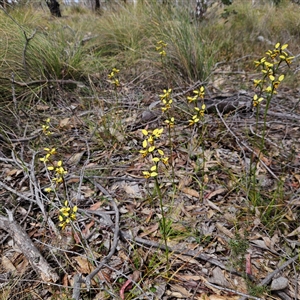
x=269 y=98
x=203 y=161
x=171 y=154
x=163 y=218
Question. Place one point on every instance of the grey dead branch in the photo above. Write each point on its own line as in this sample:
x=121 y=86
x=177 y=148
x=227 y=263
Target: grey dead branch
x=26 y=246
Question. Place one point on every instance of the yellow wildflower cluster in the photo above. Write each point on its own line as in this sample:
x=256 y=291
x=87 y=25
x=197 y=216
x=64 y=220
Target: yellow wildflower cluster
x=67 y=214
x=57 y=167
x=49 y=153
x=148 y=142
x=170 y=122
x=160 y=48
x=257 y=100
x=113 y=77
x=278 y=55
x=59 y=171
x=199 y=114
x=149 y=148
x=269 y=68
x=166 y=100
x=46 y=126
x=198 y=94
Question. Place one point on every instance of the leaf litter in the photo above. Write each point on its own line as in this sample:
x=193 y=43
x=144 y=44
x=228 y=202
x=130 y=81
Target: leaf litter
x=210 y=211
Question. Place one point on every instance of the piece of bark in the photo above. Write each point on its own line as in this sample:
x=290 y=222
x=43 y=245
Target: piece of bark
x=227 y=104
x=24 y=243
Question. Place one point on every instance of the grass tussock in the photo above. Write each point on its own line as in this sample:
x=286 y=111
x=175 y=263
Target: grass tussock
x=82 y=43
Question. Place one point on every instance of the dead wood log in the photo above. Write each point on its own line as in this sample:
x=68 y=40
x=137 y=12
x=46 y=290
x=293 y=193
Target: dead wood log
x=24 y=243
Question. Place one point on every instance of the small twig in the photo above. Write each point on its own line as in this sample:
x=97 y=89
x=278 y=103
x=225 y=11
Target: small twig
x=103 y=214
x=190 y=89
x=296 y=281
x=25 y=139
x=232 y=291
x=289 y=116
x=27 y=40
x=115 y=238
x=82 y=169
x=8 y=188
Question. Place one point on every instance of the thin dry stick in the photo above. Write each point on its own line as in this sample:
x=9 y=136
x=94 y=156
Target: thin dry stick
x=8 y=188
x=289 y=116
x=296 y=281
x=115 y=239
x=14 y=92
x=245 y=145
x=232 y=291
x=76 y=286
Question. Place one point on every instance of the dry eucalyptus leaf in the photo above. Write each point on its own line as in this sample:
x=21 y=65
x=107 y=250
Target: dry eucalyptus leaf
x=75 y=158
x=218 y=278
x=180 y=291
x=85 y=266
x=7 y=264
x=279 y=283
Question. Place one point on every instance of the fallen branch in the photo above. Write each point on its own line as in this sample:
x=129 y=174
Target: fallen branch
x=24 y=243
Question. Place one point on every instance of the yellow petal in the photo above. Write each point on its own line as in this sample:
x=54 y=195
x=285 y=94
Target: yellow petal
x=145 y=132
x=145 y=143
x=160 y=152
x=153 y=168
